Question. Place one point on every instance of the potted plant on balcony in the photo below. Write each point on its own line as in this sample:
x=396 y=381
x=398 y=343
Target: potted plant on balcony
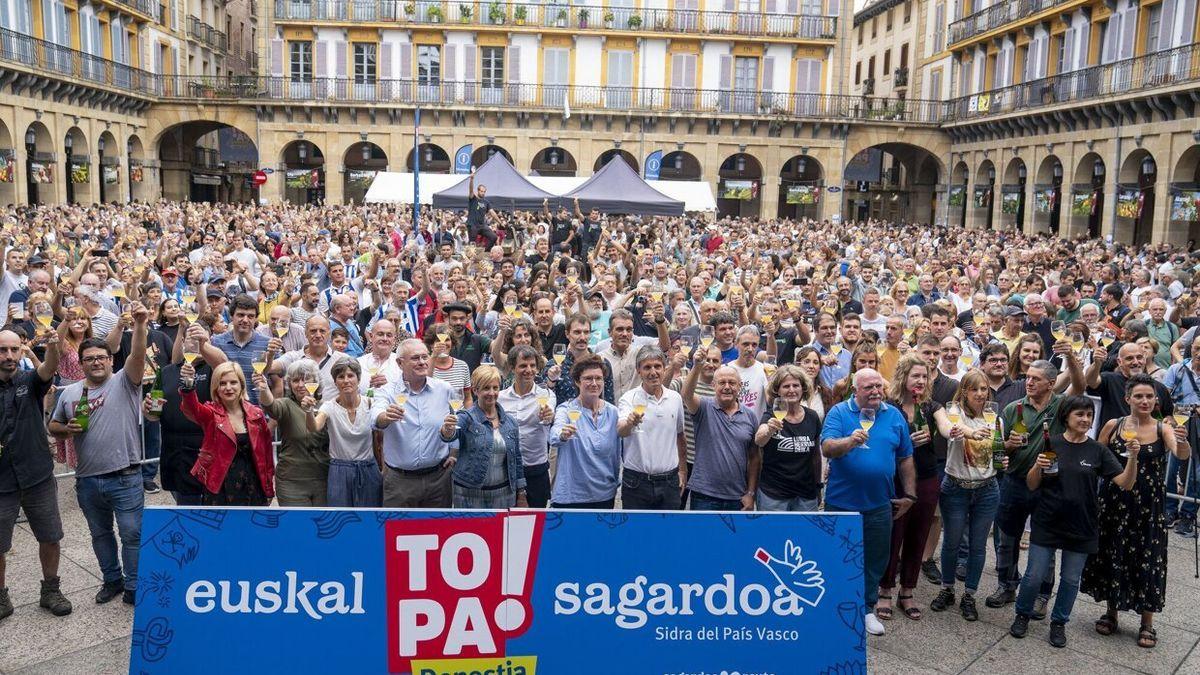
x=608 y=19
x=496 y=13
x=635 y=22
x=583 y=18
x=561 y=18
x=434 y=15
x=409 y=10
x=464 y=14
x=519 y=14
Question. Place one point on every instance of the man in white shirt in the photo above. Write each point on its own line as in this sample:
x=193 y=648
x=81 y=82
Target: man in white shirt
x=651 y=422
x=13 y=277
x=871 y=319
x=622 y=350
x=379 y=364
x=247 y=257
x=751 y=370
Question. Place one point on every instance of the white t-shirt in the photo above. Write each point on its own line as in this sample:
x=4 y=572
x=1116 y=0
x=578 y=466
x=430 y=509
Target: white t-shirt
x=11 y=283
x=389 y=369
x=754 y=387
x=349 y=440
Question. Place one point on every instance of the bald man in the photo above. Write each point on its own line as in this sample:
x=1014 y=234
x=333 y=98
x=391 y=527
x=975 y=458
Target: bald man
x=862 y=470
x=725 y=475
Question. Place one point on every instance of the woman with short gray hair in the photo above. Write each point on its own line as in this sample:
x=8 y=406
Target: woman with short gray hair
x=302 y=469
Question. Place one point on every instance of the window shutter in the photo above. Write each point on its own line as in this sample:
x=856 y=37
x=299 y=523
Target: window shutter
x=469 y=73
x=768 y=75
x=1188 y=19
x=514 y=64
x=814 y=76
x=834 y=7
x=1166 y=25
x=450 y=66
x=1128 y=28
x=406 y=56
x=726 y=75
x=802 y=76
x=793 y=7
x=728 y=5
x=1068 y=58
x=340 y=58
x=385 y=61
x=320 y=59
x=690 y=68
x=1111 y=35
x=770 y=7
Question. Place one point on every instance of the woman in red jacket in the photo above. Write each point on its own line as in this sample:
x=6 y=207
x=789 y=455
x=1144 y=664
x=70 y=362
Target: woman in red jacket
x=235 y=466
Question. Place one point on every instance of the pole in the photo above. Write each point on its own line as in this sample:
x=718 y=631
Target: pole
x=416 y=171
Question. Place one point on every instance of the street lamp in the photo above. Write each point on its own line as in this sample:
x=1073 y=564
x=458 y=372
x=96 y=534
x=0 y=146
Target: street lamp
x=740 y=163
x=30 y=138
x=428 y=154
x=679 y=161
x=1021 y=174
x=302 y=152
x=366 y=153
x=1148 y=167
x=801 y=165
x=991 y=175
x=1057 y=172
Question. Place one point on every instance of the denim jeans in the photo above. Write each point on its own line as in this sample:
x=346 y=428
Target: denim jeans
x=1177 y=474
x=101 y=498
x=646 y=492
x=1016 y=505
x=152 y=442
x=765 y=503
x=877 y=546
x=702 y=502
x=970 y=512
x=1041 y=564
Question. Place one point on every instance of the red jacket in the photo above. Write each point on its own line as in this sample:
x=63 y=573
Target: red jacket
x=220 y=442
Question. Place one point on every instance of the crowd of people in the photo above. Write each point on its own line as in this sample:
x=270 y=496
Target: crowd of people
x=952 y=387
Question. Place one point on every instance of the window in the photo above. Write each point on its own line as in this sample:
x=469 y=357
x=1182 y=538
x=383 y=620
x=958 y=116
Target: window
x=492 y=59
x=874 y=27
x=429 y=64
x=556 y=75
x=904 y=55
x=939 y=27
x=619 y=89
x=300 y=61
x=889 y=19
x=908 y=11
x=745 y=73
x=1152 y=28
x=887 y=63
x=810 y=8
x=860 y=33
x=364 y=63
x=871 y=68
x=935 y=86
x=858 y=72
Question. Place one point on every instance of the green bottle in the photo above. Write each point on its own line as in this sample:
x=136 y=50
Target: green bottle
x=157 y=397
x=997 y=448
x=83 y=411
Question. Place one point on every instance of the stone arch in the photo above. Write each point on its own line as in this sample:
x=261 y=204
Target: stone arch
x=1136 y=197
x=1086 y=200
x=206 y=160
x=108 y=168
x=79 y=169
x=8 y=166
x=434 y=159
x=680 y=165
x=740 y=188
x=985 y=180
x=484 y=152
x=135 y=169
x=304 y=172
x=804 y=176
x=361 y=160
x=894 y=181
x=1012 y=193
x=41 y=172
x=1185 y=200
x=608 y=155
x=554 y=161
x=956 y=194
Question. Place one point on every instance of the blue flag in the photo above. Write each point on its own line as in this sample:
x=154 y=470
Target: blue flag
x=462 y=159
x=653 y=164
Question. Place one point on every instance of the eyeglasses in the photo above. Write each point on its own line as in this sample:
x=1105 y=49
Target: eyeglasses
x=997 y=359
x=95 y=359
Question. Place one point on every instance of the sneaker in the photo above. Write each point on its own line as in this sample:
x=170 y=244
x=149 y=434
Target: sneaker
x=109 y=591
x=1039 y=608
x=129 y=597
x=6 y=606
x=1185 y=528
x=1002 y=597
x=1058 y=634
x=151 y=487
x=873 y=624
x=53 y=599
x=944 y=599
x=1170 y=521
x=930 y=569
x=967 y=607
x=1019 y=627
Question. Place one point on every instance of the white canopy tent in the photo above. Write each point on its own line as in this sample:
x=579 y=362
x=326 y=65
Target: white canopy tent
x=397 y=188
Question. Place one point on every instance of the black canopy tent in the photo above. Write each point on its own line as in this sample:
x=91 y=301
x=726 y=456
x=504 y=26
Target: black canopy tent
x=616 y=188
x=507 y=190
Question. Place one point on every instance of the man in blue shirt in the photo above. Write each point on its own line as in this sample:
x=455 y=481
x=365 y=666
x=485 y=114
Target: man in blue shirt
x=835 y=360
x=589 y=449
x=418 y=429
x=862 y=470
x=241 y=342
x=1183 y=381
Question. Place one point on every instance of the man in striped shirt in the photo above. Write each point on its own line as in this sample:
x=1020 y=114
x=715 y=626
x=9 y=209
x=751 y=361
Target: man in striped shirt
x=708 y=362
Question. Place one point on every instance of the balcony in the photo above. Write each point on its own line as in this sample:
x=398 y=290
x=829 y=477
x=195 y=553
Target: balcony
x=206 y=34
x=551 y=98
x=900 y=78
x=991 y=18
x=1142 y=73
x=146 y=9
x=561 y=16
x=64 y=62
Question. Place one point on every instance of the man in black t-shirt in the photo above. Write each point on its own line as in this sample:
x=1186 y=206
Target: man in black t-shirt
x=477 y=213
x=562 y=232
x=1110 y=386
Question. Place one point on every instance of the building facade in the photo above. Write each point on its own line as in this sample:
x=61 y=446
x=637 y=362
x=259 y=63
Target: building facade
x=767 y=100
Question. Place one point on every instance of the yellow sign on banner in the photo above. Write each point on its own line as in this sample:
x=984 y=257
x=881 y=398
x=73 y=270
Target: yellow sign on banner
x=504 y=665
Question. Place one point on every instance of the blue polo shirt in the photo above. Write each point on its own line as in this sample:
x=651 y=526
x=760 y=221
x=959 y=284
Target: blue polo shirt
x=831 y=374
x=863 y=479
x=243 y=355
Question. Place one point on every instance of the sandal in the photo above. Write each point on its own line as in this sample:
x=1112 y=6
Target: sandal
x=884 y=613
x=1106 y=625
x=913 y=613
x=1147 y=637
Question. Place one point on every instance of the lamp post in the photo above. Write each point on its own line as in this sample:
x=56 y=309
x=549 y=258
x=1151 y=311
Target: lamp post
x=30 y=152
x=100 y=162
x=68 y=143
x=991 y=177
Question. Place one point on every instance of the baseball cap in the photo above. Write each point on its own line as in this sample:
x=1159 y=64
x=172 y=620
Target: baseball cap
x=170 y=272
x=213 y=293
x=1013 y=310
x=37 y=259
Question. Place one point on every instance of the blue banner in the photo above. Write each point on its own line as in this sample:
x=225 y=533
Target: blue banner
x=653 y=165
x=503 y=592
x=462 y=159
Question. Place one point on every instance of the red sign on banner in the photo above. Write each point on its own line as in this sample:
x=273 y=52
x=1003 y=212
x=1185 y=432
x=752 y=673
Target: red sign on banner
x=260 y=177
x=458 y=588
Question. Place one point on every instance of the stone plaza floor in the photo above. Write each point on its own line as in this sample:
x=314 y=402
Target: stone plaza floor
x=94 y=639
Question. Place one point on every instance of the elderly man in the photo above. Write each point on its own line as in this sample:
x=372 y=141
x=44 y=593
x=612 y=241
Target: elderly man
x=418 y=431
x=379 y=365
x=725 y=475
x=342 y=308
x=751 y=371
x=655 y=457
x=1036 y=319
x=1163 y=332
x=623 y=348
x=1183 y=381
x=1109 y=387
x=280 y=321
x=863 y=466
x=317 y=350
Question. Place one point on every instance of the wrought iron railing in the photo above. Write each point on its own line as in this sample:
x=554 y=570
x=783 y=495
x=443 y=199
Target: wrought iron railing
x=148 y=7
x=66 y=62
x=205 y=33
x=564 y=15
x=990 y=18
x=1150 y=71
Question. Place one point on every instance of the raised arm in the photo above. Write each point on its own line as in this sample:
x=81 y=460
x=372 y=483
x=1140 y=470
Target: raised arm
x=135 y=363
x=691 y=402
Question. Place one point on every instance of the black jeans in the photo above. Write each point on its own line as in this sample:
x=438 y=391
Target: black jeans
x=484 y=232
x=537 y=485
x=650 y=492
x=683 y=498
x=602 y=505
